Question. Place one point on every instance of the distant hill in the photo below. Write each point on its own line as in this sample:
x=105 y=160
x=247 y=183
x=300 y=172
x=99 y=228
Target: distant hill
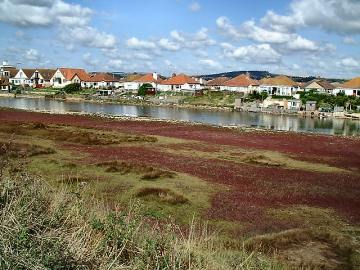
x=258 y=75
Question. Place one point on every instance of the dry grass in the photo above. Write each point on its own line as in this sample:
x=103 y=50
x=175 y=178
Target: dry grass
x=305 y=248
x=24 y=150
x=163 y=195
x=261 y=160
x=146 y=172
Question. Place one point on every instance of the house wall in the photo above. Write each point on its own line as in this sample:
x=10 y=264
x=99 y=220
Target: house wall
x=347 y=91
x=279 y=90
x=20 y=79
x=58 y=80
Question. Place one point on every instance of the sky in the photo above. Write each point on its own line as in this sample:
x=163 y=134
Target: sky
x=293 y=37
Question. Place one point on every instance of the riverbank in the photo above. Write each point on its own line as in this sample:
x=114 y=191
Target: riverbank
x=242 y=183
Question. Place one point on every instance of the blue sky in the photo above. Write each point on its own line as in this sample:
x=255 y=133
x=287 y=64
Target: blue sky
x=299 y=37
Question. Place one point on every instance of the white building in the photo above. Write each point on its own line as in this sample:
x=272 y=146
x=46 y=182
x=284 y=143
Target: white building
x=179 y=83
x=65 y=76
x=280 y=86
x=349 y=88
x=320 y=86
x=241 y=84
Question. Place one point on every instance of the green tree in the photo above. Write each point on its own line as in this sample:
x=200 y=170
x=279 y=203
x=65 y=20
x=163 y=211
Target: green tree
x=143 y=89
x=72 y=88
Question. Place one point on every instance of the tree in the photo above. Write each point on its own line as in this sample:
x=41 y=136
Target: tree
x=143 y=89
x=72 y=88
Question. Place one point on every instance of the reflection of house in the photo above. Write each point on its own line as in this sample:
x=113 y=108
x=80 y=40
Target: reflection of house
x=216 y=83
x=242 y=83
x=65 y=76
x=179 y=83
x=321 y=86
x=42 y=77
x=4 y=84
x=23 y=76
x=349 y=88
x=279 y=85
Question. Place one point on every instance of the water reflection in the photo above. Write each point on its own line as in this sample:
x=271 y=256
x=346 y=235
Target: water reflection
x=267 y=121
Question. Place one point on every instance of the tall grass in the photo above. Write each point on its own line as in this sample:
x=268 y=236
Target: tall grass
x=42 y=227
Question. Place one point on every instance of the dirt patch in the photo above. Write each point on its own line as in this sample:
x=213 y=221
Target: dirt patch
x=260 y=160
x=163 y=195
x=146 y=172
x=305 y=249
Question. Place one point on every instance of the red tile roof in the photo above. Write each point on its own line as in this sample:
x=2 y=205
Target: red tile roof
x=217 y=81
x=241 y=81
x=353 y=84
x=180 y=80
x=69 y=73
x=148 y=78
x=279 y=80
x=103 y=77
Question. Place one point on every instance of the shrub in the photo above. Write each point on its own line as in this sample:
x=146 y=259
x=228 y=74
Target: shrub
x=72 y=88
x=143 y=89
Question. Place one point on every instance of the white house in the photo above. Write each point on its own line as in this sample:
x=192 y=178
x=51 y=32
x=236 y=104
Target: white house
x=321 y=86
x=23 y=77
x=180 y=83
x=279 y=85
x=216 y=83
x=242 y=84
x=42 y=77
x=65 y=76
x=100 y=80
x=7 y=71
x=349 y=88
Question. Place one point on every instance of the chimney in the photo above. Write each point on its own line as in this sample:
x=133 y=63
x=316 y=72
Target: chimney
x=248 y=74
x=155 y=76
x=173 y=75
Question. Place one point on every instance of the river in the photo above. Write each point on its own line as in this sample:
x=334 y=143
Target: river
x=222 y=118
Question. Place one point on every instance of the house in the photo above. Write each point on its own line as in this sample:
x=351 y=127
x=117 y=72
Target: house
x=100 y=80
x=321 y=86
x=129 y=83
x=216 y=83
x=180 y=82
x=23 y=77
x=65 y=76
x=349 y=88
x=310 y=106
x=294 y=104
x=242 y=84
x=4 y=84
x=279 y=85
x=42 y=77
x=7 y=70
x=151 y=78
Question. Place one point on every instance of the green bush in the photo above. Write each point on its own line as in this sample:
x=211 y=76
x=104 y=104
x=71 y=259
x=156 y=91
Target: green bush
x=143 y=89
x=72 y=88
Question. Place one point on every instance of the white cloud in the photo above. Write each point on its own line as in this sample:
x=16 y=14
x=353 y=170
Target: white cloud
x=32 y=55
x=349 y=62
x=262 y=53
x=115 y=64
x=88 y=36
x=194 y=7
x=43 y=13
x=227 y=28
x=89 y=60
x=339 y=16
x=350 y=40
x=168 y=45
x=210 y=64
x=135 y=43
x=302 y=44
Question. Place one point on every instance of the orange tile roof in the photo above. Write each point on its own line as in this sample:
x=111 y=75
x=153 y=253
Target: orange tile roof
x=148 y=78
x=131 y=77
x=279 y=80
x=179 y=80
x=241 y=81
x=103 y=77
x=69 y=73
x=353 y=83
x=217 y=81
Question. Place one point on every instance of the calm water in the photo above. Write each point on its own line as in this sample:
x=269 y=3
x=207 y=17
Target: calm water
x=241 y=119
